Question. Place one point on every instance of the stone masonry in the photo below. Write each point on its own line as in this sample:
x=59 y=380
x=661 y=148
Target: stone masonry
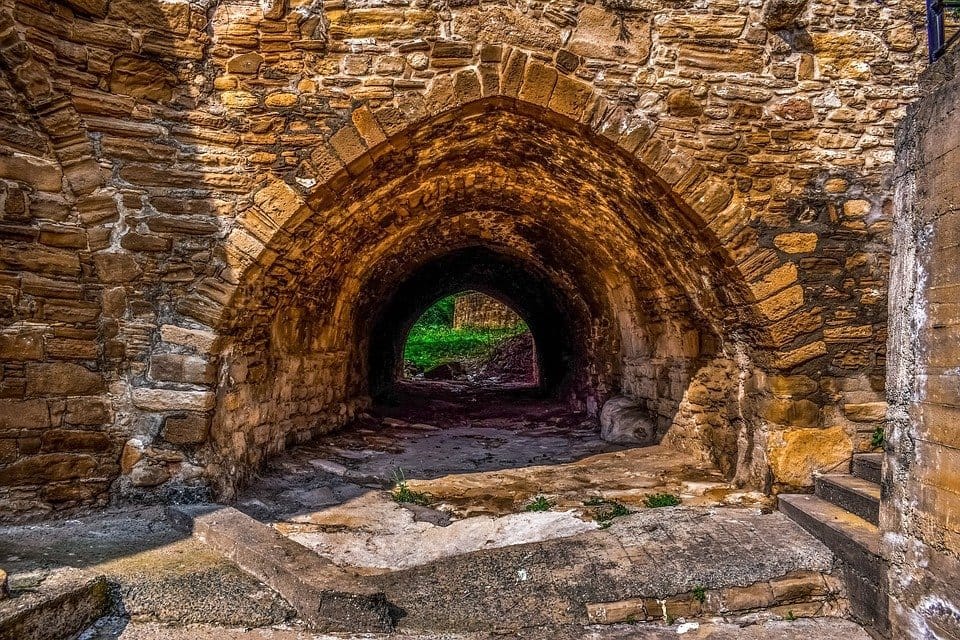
x=921 y=507
x=206 y=204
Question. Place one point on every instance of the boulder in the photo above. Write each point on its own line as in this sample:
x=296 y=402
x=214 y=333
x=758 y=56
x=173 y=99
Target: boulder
x=623 y=421
x=446 y=371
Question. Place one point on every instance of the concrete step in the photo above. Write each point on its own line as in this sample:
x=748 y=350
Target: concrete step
x=856 y=495
x=868 y=466
x=856 y=543
x=326 y=596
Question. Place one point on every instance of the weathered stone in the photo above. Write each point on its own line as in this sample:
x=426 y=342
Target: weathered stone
x=48 y=467
x=142 y=78
x=172 y=400
x=623 y=421
x=186 y=429
x=62 y=379
x=24 y=414
x=600 y=36
x=682 y=103
x=68 y=440
x=781 y=14
x=116 y=267
x=171 y=367
x=245 y=63
x=795 y=454
x=866 y=412
x=796 y=242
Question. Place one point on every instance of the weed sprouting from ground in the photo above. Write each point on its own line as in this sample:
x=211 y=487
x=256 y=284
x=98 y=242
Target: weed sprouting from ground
x=606 y=510
x=878 y=439
x=540 y=503
x=700 y=594
x=656 y=500
x=402 y=493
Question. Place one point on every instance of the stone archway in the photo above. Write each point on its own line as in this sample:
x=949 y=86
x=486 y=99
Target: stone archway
x=612 y=237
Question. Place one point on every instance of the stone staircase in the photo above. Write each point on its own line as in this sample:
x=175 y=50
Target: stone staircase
x=843 y=513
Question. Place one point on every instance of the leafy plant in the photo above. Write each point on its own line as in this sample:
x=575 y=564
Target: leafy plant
x=606 y=510
x=540 y=503
x=790 y=616
x=402 y=493
x=878 y=439
x=700 y=594
x=656 y=500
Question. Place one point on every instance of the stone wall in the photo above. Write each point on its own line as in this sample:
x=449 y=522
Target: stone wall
x=481 y=311
x=921 y=509
x=199 y=199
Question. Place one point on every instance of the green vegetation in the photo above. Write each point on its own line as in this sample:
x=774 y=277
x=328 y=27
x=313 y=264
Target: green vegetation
x=878 y=439
x=606 y=510
x=700 y=594
x=433 y=341
x=656 y=500
x=539 y=504
x=402 y=493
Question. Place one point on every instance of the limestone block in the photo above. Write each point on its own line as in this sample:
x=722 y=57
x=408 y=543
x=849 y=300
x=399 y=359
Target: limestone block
x=200 y=340
x=781 y=14
x=116 y=267
x=142 y=78
x=49 y=467
x=795 y=454
x=24 y=414
x=174 y=367
x=506 y=25
x=173 y=400
x=866 y=411
x=189 y=428
x=61 y=440
x=604 y=35
x=62 y=379
x=622 y=421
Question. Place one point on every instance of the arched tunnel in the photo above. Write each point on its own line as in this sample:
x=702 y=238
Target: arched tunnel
x=625 y=292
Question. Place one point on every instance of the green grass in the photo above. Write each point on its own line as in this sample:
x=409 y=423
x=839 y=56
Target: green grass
x=429 y=346
x=539 y=504
x=433 y=341
x=700 y=594
x=656 y=500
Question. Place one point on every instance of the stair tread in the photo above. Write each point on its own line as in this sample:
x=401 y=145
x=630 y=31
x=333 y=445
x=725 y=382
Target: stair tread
x=852 y=483
x=875 y=459
x=863 y=533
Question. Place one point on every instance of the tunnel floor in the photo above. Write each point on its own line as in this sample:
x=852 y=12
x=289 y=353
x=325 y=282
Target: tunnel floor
x=473 y=557
x=478 y=456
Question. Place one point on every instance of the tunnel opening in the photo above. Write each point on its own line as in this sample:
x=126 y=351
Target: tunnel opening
x=557 y=322
x=470 y=337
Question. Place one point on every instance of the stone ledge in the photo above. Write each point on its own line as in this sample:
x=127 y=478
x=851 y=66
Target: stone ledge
x=326 y=597
x=65 y=604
